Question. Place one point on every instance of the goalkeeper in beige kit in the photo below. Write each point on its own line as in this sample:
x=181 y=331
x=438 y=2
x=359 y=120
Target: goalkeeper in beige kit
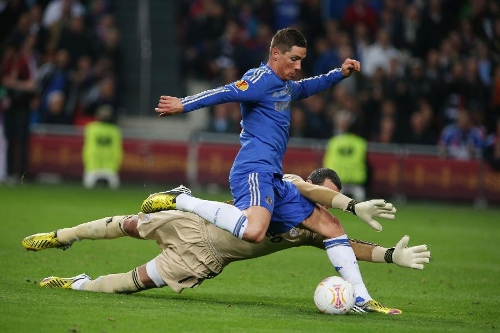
x=194 y=250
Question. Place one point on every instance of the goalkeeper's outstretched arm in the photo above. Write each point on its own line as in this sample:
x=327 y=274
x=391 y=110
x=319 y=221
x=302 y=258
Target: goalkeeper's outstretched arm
x=411 y=257
x=366 y=210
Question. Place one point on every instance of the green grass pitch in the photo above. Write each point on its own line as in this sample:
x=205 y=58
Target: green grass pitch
x=459 y=291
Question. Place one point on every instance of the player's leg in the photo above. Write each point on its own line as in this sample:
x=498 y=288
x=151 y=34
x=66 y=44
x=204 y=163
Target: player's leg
x=254 y=194
x=223 y=215
x=248 y=219
x=338 y=249
x=341 y=255
x=105 y=228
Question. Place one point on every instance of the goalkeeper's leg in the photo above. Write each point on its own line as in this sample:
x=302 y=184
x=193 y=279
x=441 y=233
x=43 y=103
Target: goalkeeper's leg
x=140 y=278
x=105 y=228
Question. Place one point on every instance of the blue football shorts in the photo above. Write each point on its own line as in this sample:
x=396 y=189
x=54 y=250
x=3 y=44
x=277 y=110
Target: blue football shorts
x=287 y=206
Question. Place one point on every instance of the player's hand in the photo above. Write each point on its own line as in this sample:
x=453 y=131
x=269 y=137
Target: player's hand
x=368 y=210
x=169 y=105
x=412 y=257
x=350 y=66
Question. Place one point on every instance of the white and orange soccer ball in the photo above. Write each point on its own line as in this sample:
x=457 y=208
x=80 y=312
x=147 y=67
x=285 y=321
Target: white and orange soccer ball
x=334 y=295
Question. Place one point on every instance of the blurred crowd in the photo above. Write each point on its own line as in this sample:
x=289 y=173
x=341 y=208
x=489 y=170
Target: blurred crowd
x=60 y=58
x=430 y=68
x=59 y=65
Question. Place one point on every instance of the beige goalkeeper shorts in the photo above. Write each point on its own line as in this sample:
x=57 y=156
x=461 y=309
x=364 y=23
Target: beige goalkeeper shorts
x=187 y=256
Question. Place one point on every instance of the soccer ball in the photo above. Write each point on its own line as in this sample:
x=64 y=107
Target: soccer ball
x=334 y=295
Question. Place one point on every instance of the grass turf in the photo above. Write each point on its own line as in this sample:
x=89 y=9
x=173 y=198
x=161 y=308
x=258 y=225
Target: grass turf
x=457 y=292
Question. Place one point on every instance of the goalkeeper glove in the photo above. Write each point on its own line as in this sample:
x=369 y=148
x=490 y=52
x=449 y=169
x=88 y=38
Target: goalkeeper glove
x=366 y=210
x=412 y=257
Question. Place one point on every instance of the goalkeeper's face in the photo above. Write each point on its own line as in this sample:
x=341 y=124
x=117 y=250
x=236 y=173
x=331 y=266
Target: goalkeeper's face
x=328 y=184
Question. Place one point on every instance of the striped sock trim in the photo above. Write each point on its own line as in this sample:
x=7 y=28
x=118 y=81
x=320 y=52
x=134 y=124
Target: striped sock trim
x=238 y=228
x=330 y=243
x=137 y=281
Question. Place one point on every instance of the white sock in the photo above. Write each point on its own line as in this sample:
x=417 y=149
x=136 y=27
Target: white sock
x=81 y=282
x=342 y=257
x=224 y=216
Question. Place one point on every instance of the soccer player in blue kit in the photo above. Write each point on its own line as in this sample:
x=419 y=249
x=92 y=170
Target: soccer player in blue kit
x=263 y=201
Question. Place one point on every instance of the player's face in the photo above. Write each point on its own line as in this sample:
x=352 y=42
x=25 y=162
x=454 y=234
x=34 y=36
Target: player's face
x=289 y=63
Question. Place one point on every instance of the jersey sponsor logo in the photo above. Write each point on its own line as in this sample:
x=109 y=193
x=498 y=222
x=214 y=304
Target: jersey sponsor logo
x=241 y=85
x=281 y=106
x=283 y=92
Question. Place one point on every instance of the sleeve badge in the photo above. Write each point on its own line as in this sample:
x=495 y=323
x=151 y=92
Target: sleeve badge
x=241 y=85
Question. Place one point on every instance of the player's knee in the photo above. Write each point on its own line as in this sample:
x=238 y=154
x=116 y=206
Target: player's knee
x=129 y=225
x=254 y=235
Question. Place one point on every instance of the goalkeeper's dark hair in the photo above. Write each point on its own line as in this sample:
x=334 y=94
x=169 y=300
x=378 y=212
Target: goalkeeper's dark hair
x=319 y=176
x=287 y=38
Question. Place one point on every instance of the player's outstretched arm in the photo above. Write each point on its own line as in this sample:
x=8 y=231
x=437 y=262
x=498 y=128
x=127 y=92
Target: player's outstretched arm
x=366 y=210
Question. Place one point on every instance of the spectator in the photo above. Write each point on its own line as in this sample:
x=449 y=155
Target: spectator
x=286 y=13
x=55 y=114
x=311 y=18
x=3 y=140
x=84 y=78
x=38 y=30
x=461 y=140
x=318 y=125
x=102 y=150
x=386 y=132
x=433 y=29
x=19 y=81
x=360 y=11
x=54 y=76
x=258 y=47
x=419 y=86
x=223 y=119
x=110 y=49
x=419 y=132
x=22 y=29
x=379 y=54
x=10 y=11
x=491 y=151
x=495 y=92
x=485 y=20
x=485 y=65
x=101 y=94
x=362 y=41
x=76 y=40
x=404 y=34
x=297 y=122
x=326 y=58
x=58 y=9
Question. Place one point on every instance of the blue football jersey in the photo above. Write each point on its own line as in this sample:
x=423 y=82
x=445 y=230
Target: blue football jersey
x=265 y=109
